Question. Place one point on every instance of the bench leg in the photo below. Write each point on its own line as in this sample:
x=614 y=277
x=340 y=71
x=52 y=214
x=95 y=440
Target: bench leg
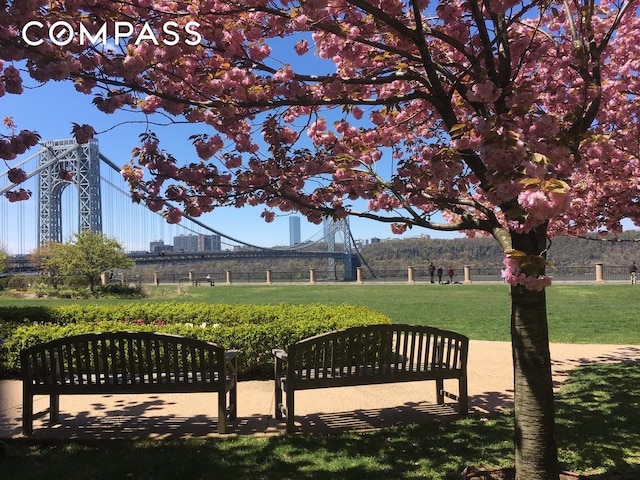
x=233 y=401
x=54 y=407
x=278 y=398
x=27 y=414
x=222 y=412
x=290 y=410
x=440 y=391
x=464 y=397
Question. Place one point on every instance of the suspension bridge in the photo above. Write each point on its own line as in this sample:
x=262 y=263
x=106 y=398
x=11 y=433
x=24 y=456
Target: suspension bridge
x=101 y=202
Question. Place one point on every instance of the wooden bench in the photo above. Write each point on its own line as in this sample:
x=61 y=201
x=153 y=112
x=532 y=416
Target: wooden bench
x=371 y=355
x=127 y=362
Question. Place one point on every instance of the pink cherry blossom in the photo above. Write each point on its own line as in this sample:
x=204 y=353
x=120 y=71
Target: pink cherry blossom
x=511 y=118
x=83 y=133
x=301 y=47
x=17 y=195
x=512 y=274
x=268 y=216
x=484 y=92
x=174 y=215
x=64 y=174
x=12 y=80
x=16 y=175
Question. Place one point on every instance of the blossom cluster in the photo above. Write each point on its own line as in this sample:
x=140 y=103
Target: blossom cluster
x=16 y=144
x=83 y=133
x=513 y=274
x=18 y=195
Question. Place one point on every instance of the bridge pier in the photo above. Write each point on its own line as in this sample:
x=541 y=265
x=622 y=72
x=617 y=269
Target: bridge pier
x=269 y=280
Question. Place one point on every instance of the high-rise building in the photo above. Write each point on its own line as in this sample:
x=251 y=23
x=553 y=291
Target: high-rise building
x=157 y=246
x=185 y=243
x=216 y=243
x=197 y=243
x=294 y=230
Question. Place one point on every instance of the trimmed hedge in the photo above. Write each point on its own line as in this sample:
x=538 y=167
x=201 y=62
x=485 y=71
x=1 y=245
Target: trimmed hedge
x=254 y=330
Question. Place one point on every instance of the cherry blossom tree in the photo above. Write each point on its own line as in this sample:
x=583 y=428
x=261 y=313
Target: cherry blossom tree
x=514 y=119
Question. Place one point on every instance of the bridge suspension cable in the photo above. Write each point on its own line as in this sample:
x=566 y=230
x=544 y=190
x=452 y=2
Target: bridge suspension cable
x=56 y=156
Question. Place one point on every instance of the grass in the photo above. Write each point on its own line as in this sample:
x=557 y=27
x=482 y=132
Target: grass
x=578 y=313
x=598 y=408
x=598 y=431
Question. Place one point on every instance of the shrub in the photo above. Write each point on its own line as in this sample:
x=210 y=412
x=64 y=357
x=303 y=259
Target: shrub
x=18 y=282
x=119 y=290
x=254 y=330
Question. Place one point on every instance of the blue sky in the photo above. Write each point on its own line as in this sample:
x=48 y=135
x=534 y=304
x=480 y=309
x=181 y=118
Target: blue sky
x=51 y=109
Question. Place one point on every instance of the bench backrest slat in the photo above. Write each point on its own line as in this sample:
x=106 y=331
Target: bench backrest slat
x=174 y=353
x=391 y=348
x=136 y=360
x=74 y=351
x=127 y=358
x=121 y=359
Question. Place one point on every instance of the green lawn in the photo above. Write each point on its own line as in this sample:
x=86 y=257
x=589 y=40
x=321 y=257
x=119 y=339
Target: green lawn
x=578 y=313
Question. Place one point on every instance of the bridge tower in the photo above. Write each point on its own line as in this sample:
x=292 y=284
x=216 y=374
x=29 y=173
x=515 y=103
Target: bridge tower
x=331 y=229
x=83 y=162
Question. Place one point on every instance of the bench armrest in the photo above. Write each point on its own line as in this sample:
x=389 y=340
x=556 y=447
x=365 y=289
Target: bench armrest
x=230 y=354
x=280 y=354
x=280 y=358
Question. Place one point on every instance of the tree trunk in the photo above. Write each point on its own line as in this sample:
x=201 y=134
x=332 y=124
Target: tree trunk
x=536 y=456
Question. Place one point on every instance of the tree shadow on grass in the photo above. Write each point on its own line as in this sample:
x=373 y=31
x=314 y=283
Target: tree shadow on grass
x=436 y=450
x=598 y=419
x=562 y=369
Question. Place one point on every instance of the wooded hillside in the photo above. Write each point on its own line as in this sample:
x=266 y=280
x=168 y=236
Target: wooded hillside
x=485 y=252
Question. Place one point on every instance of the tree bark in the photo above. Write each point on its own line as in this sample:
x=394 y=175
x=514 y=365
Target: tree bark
x=536 y=456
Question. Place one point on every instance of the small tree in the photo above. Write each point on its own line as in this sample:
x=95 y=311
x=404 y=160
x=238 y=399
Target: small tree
x=89 y=254
x=4 y=258
x=41 y=258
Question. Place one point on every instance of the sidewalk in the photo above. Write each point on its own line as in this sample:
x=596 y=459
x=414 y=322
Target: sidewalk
x=161 y=416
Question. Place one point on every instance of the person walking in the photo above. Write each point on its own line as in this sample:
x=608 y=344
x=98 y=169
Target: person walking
x=633 y=272
x=450 y=274
x=432 y=271
x=440 y=272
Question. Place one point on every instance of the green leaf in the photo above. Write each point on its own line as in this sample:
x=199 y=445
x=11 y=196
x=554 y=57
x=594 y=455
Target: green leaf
x=457 y=130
